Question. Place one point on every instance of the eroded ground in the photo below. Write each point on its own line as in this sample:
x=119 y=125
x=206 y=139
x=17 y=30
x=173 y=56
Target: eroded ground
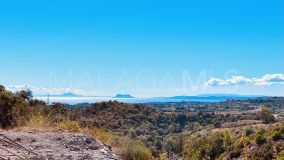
x=54 y=146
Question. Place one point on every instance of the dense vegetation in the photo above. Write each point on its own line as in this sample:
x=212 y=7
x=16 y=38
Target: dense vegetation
x=139 y=131
x=274 y=103
x=150 y=125
x=258 y=143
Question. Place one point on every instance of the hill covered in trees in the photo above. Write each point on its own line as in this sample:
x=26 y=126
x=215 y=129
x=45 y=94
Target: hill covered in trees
x=149 y=131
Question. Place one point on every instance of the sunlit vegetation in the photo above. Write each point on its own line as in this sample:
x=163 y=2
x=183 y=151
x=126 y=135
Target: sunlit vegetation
x=129 y=148
x=260 y=143
x=140 y=132
x=19 y=110
x=266 y=115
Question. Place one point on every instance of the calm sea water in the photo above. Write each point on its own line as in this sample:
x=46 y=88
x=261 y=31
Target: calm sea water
x=75 y=100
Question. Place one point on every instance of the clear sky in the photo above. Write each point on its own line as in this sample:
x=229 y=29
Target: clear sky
x=145 y=48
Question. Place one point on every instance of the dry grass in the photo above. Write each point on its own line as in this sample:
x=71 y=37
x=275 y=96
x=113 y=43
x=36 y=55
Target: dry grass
x=128 y=148
x=37 y=122
x=69 y=126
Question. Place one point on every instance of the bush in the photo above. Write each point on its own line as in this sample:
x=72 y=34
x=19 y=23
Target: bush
x=71 y=126
x=103 y=135
x=174 y=145
x=237 y=149
x=217 y=124
x=260 y=139
x=211 y=146
x=38 y=121
x=158 y=144
x=276 y=135
x=249 y=131
x=265 y=152
x=14 y=110
x=281 y=155
x=129 y=149
x=266 y=115
x=136 y=152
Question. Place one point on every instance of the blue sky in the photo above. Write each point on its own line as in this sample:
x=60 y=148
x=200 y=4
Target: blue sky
x=145 y=48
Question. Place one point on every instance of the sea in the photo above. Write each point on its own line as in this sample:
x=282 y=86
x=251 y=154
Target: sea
x=77 y=100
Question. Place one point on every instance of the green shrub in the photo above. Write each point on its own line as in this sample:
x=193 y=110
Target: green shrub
x=249 y=131
x=211 y=146
x=174 y=144
x=281 y=155
x=265 y=152
x=276 y=135
x=260 y=139
x=266 y=115
x=237 y=149
x=14 y=110
x=129 y=149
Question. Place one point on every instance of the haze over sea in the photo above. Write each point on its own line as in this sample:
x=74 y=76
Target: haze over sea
x=76 y=100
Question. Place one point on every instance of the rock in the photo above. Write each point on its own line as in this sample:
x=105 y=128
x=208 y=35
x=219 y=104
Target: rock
x=61 y=146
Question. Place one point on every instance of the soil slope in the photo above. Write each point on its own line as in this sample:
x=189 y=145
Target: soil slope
x=53 y=146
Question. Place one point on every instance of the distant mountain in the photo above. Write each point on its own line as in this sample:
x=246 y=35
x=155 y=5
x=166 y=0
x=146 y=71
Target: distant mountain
x=67 y=95
x=220 y=95
x=123 y=96
x=215 y=96
x=181 y=97
x=227 y=95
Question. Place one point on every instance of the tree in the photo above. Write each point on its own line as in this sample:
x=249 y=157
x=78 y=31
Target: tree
x=182 y=119
x=14 y=110
x=26 y=94
x=2 y=88
x=266 y=115
x=217 y=124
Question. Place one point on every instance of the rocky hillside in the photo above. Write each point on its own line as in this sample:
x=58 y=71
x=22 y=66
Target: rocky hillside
x=52 y=145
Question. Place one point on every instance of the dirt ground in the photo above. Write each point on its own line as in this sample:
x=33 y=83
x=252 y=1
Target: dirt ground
x=56 y=145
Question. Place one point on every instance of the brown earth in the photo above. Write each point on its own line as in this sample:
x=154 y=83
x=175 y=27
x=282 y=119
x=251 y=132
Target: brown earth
x=52 y=145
